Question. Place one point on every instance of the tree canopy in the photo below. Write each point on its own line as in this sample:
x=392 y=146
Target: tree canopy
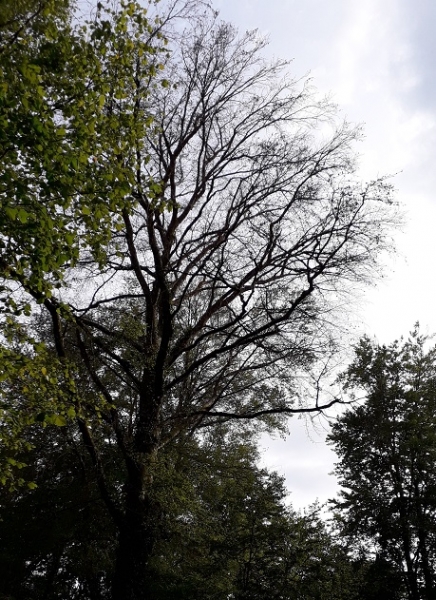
x=62 y=185
x=387 y=456
x=178 y=220
x=226 y=528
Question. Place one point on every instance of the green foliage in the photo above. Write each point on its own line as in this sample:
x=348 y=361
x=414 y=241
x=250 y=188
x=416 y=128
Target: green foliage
x=227 y=531
x=230 y=534
x=387 y=457
x=37 y=389
x=69 y=98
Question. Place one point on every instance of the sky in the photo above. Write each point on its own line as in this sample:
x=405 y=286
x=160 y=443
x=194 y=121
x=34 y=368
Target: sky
x=377 y=61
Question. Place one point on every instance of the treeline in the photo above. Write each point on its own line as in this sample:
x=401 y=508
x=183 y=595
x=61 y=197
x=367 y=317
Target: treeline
x=227 y=529
x=179 y=221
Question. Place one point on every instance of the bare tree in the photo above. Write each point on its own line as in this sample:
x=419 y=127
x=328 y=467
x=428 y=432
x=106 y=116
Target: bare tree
x=249 y=223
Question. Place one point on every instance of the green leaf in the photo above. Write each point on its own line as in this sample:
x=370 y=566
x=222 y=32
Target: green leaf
x=11 y=212
x=59 y=420
x=23 y=215
x=71 y=413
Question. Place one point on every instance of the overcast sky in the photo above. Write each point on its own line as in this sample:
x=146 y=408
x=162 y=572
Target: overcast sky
x=377 y=60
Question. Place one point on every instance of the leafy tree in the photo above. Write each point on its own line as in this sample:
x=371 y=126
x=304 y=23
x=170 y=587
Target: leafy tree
x=57 y=540
x=62 y=184
x=189 y=271
x=227 y=532
x=387 y=453
x=235 y=536
x=67 y=112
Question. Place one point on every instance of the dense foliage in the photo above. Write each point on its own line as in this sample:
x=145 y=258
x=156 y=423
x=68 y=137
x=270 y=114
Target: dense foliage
x=227 y=531
x=62 y=183
x=387 y=451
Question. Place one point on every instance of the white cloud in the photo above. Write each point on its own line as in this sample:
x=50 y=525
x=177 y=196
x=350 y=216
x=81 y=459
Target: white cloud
x=305 y=461
x=377 y=59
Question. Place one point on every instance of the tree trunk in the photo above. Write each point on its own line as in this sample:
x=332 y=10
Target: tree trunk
x=430 y=591
x=411 y=576
x=137 y=535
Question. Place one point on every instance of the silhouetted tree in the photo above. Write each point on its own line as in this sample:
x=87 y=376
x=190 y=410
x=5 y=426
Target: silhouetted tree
x=227 y=234
x=387 y=456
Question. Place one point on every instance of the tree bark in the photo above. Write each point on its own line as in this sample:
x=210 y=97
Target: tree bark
x=137 y=535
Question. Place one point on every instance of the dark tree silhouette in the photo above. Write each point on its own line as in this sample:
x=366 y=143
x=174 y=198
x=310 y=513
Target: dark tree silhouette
x=387 y=452
x=243 y=224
